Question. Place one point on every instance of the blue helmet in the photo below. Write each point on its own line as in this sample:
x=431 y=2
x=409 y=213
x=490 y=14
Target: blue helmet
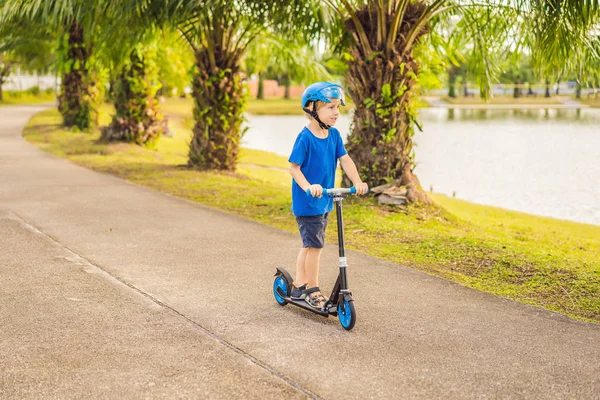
x=323 y=91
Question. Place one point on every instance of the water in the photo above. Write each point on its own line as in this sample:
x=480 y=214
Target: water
x=539 y=161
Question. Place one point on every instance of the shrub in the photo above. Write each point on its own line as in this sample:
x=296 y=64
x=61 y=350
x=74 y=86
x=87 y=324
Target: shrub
x=34 y=90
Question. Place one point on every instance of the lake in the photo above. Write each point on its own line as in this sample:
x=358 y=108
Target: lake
x=539 y=161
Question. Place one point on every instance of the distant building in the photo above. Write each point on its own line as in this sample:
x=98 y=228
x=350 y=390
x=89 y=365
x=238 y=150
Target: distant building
x=273 y=89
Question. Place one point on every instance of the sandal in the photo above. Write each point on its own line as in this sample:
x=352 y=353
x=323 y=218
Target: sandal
x=315 y=298
x=297 y=293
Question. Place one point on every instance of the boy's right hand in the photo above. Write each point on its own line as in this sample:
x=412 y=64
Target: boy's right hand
x=316 y=190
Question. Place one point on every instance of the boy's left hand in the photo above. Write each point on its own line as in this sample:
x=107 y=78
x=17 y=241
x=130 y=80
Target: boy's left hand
x=361 y=188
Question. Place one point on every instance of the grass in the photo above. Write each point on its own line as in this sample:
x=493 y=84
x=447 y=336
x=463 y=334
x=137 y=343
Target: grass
x=275 y=106
x=591 y=101
x=271 y=106
x=13 y=98
x=501 y=100
x=541 y=261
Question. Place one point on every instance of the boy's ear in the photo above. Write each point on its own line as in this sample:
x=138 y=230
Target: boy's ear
x=307 y=107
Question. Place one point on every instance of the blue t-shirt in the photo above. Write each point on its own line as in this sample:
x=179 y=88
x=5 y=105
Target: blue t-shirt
x=317 y=159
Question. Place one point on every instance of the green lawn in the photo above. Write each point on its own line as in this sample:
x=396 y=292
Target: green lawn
x=591 y=101
x=13 y=98
x=542 y=261
x=271 y=106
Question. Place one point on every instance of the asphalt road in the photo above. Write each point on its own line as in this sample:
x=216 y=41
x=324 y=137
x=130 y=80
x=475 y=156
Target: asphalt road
x=112 y=290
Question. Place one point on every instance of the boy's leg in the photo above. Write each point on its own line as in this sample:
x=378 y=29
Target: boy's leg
x=313 y=256
x=312 y=231
x=301 y=267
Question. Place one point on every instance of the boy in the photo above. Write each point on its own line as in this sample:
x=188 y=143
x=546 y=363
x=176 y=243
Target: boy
x=313 y=163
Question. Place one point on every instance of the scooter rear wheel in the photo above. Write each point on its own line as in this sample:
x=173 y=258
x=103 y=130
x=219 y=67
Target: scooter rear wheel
x=281 y=283
x=347 y=313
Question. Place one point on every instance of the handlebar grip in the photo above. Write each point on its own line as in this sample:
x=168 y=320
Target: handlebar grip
x=353 y=190
x=334 y=191
x=324 y=192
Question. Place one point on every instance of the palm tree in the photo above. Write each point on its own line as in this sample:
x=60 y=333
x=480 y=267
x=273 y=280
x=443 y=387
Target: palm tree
x=299 y=63
x=143 y=47
x=589 y=69
x=6 y=60
x=138 y=118
x=382 y=72
x=292 y=60
x=27 y=45
x=175 y=61
x=6 y=65
x=134 y=74
x=77 y=22
x=219 y=32
x=257 y=60
x=450 y=41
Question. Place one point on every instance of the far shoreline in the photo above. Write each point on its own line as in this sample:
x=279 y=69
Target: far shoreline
x=506 y=104
x=510 y=106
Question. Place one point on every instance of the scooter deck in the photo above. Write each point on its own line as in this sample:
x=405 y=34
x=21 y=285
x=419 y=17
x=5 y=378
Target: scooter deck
x=306 y=306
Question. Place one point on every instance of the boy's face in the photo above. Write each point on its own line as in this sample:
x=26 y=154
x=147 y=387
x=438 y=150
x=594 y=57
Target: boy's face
x=330 y=112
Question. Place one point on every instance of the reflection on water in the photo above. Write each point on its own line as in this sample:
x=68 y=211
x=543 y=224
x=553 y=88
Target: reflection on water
x=540 y=161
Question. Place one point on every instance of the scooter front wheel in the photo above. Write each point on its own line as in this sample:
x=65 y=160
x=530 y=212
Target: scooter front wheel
x=281 y=283
x=347 y=313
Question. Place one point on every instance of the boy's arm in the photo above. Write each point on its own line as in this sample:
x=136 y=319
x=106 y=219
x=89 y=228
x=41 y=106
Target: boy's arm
x=350 y=169
x=315 y=190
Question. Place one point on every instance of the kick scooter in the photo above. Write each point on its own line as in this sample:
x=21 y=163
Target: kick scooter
x=340 y=302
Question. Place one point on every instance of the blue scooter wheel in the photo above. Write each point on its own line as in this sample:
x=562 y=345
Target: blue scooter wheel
x=347 y=313
x=282 y=284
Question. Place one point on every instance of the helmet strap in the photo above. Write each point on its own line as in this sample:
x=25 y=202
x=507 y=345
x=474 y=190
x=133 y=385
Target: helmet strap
x=314 y=114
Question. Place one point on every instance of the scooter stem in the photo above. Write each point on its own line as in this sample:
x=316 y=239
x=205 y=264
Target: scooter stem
x=340 y=224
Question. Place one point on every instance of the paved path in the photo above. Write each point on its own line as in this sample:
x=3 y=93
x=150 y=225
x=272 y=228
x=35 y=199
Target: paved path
x=111 y=290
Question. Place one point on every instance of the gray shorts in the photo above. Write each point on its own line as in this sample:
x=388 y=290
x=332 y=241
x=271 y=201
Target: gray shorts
x=312 y=230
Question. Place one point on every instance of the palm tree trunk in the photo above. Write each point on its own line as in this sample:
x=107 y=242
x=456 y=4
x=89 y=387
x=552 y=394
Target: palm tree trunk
x=138 y=118
x=261 y=87
x=517 y=90
x=4 y=72
x=110 y=93
x=286 y=83
x=220 y=101
x=547 y=94
x=79 y=95
x=380 y=85
x=452 y=82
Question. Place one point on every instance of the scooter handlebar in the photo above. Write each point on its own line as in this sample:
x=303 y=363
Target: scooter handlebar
x=337 y=191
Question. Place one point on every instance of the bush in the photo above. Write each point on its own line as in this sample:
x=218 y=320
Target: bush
x=34 y=90
x=14 y=94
